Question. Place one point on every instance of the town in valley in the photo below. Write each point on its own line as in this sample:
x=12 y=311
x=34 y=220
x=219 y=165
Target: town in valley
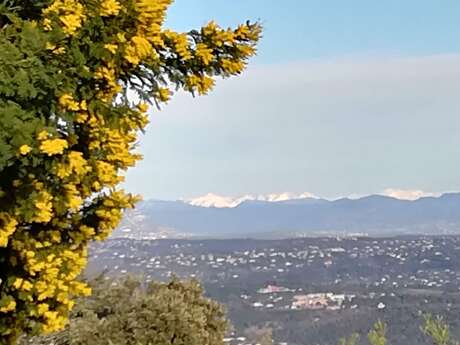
x=305 y=290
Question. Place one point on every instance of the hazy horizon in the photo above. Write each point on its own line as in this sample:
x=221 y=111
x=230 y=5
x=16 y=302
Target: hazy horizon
x=401 y=194
x=366 y=103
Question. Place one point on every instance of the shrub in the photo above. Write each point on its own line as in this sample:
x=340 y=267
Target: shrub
x=128 y=313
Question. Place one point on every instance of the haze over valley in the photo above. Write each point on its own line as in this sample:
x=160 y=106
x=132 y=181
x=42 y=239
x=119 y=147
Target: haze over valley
x=292 y=215
x=305 y=268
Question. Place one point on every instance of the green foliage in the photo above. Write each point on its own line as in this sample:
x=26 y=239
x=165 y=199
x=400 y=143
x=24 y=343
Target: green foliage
x=262 y=336
x=351 y=340
x=438 y=330
x=433 y=327
x=377 y=336
x=129 y=313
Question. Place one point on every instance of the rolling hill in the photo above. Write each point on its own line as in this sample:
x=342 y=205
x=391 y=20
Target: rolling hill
x=373 y=215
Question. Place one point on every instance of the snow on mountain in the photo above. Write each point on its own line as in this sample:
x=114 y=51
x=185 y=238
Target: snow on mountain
x=286 y=196
x=219 y=201
x=372 y=215
x=408 y=194
x=214 y=200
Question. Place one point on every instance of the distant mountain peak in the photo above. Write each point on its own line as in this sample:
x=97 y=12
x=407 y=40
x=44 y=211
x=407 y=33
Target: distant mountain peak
x=219 y=201
x=293 y=215
x=408 y=194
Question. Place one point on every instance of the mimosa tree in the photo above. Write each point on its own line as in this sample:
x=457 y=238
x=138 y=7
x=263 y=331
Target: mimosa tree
x=68 y=132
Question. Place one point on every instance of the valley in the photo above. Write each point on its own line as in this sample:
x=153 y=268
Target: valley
x=306 y=290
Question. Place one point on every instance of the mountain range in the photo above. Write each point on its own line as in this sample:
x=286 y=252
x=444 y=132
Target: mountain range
x=374 y=215
x=214 y=200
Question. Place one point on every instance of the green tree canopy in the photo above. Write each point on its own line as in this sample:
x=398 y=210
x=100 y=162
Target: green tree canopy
x=130 y=314
x=68 y=132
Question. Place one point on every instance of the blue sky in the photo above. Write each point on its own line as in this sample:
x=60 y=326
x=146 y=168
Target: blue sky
x=344 y=97
x=304 y=29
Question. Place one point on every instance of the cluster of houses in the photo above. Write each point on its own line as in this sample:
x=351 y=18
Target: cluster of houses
x=290 y=299
x=382 y=265
x=326 y=300
x=305 y=274
x=417 y=262
x=420 y=262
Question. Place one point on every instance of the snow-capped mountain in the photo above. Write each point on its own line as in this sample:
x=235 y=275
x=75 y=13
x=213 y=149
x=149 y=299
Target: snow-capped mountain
x=281 y=215
x=408 y=194
x=219 y=201
x=214 y=200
